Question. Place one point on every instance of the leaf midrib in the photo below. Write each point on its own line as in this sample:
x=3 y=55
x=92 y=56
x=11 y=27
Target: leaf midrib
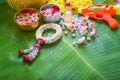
x=84 y=60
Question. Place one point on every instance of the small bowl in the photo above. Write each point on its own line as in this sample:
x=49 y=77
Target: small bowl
x=50 y=12
x=27 y=18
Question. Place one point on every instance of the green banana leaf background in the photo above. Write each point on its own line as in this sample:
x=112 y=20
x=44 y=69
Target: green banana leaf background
x=99 y=59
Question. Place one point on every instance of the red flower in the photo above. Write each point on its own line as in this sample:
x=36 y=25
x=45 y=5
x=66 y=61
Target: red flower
x=54 y=10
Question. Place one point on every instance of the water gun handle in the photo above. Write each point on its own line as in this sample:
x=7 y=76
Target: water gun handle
x=111 y=21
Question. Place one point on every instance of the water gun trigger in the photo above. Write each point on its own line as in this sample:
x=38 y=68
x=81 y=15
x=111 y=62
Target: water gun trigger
x=97 y=17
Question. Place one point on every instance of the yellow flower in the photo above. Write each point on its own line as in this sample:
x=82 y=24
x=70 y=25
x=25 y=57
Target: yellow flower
x=60 y=2
x=79 y=4
x=79 y=10
x=75 y=4
x=74 y=9
x=88 y=1
x=51 y=1
x=62 y=8
x=71 y=1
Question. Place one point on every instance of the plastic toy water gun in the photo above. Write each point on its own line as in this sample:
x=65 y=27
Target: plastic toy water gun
x=102 y=12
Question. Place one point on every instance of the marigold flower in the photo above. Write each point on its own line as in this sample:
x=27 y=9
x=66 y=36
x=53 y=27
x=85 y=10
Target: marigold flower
x=62 y=8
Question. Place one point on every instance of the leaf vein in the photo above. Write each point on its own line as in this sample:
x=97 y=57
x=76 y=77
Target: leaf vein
x=86 y=62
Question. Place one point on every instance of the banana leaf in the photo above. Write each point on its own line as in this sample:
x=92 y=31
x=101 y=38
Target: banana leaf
x=99 y=59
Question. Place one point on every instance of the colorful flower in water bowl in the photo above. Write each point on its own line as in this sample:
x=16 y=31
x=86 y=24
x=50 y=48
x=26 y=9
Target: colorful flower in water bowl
x=27 y=18
x=50 y=12
x=54 y=10
x=47 y=11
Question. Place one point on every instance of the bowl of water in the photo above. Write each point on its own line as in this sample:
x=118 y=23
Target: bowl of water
x=50 y=12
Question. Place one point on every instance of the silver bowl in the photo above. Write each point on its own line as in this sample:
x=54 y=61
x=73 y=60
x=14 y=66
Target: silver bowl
x=50 y=18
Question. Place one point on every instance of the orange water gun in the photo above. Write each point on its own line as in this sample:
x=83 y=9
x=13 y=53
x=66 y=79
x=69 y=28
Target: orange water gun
x=101 y=12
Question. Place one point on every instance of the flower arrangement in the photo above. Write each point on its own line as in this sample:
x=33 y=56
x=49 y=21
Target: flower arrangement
x=82 y=25
x=75 y=5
